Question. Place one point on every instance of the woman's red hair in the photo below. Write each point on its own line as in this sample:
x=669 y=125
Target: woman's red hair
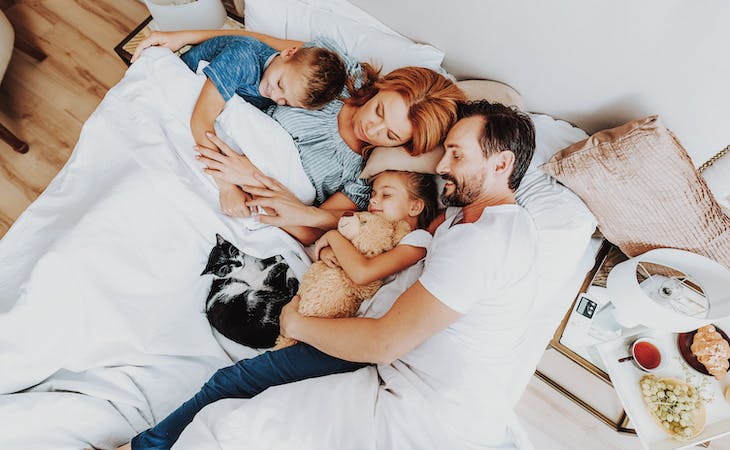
x=431 y=99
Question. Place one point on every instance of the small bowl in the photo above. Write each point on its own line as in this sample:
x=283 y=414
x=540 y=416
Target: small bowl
x=645 y=348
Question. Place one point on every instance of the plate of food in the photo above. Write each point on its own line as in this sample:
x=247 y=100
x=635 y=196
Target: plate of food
x=706 y=350
x=674 y=405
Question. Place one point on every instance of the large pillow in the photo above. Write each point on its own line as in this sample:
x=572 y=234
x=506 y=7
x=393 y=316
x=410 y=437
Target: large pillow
x=359 y=33
x=564 y=227
x=643 y=188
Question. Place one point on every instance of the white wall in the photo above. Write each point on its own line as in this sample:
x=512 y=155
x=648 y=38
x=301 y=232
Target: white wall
x=594 y=63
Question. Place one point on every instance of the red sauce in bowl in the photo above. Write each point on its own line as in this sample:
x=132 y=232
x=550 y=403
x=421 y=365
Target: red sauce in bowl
x=647 y=355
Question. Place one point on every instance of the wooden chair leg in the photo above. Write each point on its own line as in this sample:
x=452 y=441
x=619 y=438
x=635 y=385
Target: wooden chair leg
x=8 y=137
x=29 y=48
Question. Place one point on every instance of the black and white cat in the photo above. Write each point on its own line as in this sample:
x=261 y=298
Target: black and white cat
x=247 y=294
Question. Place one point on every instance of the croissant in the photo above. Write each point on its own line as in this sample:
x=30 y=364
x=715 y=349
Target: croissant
x=712 y=351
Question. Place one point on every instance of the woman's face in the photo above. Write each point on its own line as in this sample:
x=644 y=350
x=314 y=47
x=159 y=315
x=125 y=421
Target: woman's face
x=383 y=120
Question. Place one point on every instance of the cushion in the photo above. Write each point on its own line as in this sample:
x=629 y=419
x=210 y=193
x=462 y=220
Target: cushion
x=644 y=190
x=360 y=34
x=398 y=158
x=491 y=90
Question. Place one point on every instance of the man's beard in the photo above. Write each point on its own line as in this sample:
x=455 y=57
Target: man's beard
x=464 y=193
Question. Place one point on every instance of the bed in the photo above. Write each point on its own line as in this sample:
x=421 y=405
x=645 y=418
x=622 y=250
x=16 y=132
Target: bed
x=102 y=326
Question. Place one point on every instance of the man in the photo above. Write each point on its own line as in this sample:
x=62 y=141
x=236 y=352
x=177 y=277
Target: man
x=445 y=348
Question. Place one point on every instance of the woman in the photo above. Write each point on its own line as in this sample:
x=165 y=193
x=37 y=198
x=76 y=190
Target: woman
x=413 y=107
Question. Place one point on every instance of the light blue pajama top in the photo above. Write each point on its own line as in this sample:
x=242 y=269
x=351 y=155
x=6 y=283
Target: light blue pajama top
x=329 y=163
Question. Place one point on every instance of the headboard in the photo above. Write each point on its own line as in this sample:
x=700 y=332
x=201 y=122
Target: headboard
x=595 y=64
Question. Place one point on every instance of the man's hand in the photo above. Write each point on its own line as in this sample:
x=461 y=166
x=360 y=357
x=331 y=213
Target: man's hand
x=289 y=317
x=174 y=40
x=228 y=166
x=233 y=201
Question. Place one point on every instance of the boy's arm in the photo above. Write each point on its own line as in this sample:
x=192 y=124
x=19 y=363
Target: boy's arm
x=174 y=40
x=363 y=270
x=210 y=104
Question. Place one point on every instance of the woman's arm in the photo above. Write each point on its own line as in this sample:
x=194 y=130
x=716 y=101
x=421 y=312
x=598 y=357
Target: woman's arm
x=174 y=40
x=226 y=165
x=415 y=316
x=363 y=270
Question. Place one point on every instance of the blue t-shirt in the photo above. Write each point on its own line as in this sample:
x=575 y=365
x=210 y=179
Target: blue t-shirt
x=237 y=64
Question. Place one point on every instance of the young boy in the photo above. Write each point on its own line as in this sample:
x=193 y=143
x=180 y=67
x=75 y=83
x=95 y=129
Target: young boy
x=301 y=77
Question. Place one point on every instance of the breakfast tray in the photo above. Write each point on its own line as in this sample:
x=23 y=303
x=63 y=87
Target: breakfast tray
x=625 y=377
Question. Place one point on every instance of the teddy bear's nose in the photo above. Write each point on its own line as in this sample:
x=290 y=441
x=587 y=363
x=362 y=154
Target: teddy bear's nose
x=348 y=214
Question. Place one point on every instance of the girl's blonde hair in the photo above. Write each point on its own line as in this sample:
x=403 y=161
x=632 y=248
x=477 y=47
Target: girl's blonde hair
x=431 y=99
x=419 y=186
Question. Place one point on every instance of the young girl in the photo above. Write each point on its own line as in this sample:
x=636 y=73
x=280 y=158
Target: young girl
x=396 y=196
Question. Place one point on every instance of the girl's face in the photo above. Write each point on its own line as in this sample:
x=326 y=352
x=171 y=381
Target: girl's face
x=389 y=198
x=383 y=120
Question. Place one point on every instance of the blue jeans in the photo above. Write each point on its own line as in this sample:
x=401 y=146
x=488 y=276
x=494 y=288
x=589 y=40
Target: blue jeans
x=244 y=379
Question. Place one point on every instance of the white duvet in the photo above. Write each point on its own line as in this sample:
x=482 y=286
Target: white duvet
x=102 y=330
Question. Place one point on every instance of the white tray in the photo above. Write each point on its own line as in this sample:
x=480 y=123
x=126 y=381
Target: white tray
x=625 y=378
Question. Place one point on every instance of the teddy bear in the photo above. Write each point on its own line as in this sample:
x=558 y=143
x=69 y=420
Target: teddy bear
x=327 y=291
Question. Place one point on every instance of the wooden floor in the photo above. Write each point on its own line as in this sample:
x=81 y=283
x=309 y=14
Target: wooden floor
x=47 y=103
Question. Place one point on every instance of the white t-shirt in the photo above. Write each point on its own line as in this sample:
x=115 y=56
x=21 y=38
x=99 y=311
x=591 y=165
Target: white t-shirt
x=381 y=302
x=451 y=387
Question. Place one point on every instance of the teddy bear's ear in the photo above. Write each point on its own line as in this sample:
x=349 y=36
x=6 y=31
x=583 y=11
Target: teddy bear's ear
x=401 y=228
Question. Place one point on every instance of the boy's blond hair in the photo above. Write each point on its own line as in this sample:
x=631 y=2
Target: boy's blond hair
x=324 y=75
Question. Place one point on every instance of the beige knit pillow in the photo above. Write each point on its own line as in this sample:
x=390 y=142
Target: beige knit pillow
x=644 y=190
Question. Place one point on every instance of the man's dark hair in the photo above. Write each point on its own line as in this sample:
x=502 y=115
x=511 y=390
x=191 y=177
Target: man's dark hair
x=506 y=128
x=324 y=73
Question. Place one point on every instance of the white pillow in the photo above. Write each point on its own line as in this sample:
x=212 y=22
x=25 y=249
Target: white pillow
x=360 y=34
x=564 y=228
x=266 y=143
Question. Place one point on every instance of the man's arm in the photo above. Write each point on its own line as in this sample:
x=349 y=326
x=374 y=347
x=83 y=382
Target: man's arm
x=415 y=316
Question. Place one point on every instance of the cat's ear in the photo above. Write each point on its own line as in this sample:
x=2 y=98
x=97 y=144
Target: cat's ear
x=219 y=239
x=208 y=270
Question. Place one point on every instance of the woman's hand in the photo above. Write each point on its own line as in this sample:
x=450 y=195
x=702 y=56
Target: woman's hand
x=229 y=166
x=234 y=201
x=327 y=256
x=289 y=318
x=174 y=40
x=286 y=209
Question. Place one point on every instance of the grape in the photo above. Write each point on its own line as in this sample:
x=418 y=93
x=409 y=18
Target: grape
x=671 y=404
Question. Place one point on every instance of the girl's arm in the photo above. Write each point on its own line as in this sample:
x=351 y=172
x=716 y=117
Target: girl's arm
x=415 y=316
x=363 y=270
x=174 y=40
